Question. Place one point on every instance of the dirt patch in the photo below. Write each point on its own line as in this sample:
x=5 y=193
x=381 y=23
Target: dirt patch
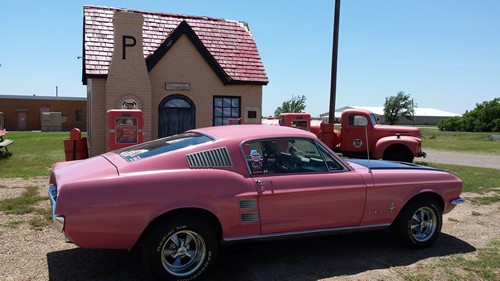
x=28 y=253
x=10 y=188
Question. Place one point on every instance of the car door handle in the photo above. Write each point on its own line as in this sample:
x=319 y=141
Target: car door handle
x=261 y=186
x=260 y=183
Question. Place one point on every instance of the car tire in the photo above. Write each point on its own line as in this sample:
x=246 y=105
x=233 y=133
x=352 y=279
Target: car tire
x=398 y=153
x=182 y=248
x=419 y=223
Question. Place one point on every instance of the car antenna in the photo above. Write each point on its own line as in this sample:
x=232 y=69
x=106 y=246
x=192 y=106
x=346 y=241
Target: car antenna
x=367 y=148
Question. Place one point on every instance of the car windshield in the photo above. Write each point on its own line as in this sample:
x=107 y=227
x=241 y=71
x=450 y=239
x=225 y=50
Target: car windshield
x=162 y=145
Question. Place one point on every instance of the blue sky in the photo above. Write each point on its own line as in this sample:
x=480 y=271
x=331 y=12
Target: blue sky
x=445 y=54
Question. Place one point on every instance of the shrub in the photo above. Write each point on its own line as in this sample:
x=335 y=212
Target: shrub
x=484 y=118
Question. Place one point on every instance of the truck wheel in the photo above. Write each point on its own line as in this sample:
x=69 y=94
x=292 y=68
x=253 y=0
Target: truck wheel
x=398 y=153
x=183 y=248
x=419 y=223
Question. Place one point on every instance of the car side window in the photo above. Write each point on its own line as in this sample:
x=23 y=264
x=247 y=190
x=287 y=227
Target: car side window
x=279 y=156
x=331 y=162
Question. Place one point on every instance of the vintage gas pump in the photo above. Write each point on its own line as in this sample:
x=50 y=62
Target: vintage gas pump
x=75 y=148
x=124 y=128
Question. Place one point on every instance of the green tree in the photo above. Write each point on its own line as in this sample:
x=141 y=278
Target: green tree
x=296 y=104
x=484 y=118
x=398 y=105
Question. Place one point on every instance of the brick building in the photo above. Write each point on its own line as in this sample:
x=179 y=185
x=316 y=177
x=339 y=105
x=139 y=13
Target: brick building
x=23 y=113
x=182 y=71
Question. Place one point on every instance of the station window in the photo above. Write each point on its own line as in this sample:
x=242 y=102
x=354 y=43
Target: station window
x=226 y=108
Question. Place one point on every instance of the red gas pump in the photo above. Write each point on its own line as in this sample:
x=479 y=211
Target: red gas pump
x=75 y=148
x=124 y=127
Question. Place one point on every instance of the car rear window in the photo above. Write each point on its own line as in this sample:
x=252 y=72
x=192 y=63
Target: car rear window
x=162 y=145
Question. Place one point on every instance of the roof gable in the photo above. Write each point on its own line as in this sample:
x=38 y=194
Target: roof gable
x=185 y=29
x=227 y=46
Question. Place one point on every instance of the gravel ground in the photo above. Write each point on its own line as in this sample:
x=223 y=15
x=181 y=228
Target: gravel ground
x=29 y=254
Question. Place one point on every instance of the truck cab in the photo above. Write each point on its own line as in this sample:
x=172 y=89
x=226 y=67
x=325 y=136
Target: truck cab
x=294 y=120
x=362 y=136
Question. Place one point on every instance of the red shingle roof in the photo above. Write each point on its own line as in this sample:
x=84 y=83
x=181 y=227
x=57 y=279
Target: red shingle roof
x=228 y=46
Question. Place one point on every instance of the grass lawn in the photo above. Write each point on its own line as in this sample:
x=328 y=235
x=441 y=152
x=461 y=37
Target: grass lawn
x=459 y=141
x=32 y=153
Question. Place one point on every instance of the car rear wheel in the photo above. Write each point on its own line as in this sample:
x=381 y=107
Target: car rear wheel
x=180 y=249
x=419 y=224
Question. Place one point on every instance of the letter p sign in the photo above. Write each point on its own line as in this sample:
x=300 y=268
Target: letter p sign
x=127 y=41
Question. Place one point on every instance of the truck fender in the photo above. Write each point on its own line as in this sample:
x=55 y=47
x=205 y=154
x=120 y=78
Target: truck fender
x=412 y=143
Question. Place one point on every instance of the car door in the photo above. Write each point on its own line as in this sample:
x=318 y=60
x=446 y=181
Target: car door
x=354 y=133
x=322 y=193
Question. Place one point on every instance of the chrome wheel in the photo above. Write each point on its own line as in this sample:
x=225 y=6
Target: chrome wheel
x=183 y=247
x=183 y=253
x=423 y=224
x=419 y=223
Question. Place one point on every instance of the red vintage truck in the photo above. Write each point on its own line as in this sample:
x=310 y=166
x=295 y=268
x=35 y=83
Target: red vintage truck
x=358 y=128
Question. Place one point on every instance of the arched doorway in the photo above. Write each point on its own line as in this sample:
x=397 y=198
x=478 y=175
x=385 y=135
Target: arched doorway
x=176 y=114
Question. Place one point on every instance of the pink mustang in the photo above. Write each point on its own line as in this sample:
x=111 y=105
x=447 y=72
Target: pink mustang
x=179 y=198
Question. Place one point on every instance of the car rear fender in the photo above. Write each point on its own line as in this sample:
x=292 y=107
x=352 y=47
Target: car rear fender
x=213 y=194
x=82 y=170
x=202 y=214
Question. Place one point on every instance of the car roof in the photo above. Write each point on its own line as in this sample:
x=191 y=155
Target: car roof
x=242 y=133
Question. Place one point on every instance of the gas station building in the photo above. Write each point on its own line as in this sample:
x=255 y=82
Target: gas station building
x=181 y=72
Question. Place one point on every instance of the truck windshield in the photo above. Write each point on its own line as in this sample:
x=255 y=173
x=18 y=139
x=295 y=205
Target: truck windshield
x=162 y=145
x=374 y=120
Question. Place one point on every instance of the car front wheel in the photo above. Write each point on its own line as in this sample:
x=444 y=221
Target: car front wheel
x=398 y=153
x=180 y=249
x=419 y=224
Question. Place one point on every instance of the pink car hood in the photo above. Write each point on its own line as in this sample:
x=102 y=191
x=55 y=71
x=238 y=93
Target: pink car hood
x=82 y=170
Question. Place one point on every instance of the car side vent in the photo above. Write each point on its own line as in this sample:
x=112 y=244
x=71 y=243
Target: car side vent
x=250 y=217
x=248 y=203
x=218 y=157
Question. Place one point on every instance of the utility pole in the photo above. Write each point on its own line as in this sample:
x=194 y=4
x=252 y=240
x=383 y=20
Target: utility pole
x=335 y=51
x=413 y=112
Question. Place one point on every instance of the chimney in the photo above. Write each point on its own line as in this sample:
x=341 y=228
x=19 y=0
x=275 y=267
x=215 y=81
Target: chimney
x=128 y=77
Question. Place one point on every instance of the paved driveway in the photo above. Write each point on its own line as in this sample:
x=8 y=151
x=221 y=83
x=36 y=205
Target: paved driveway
x=464 y=159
